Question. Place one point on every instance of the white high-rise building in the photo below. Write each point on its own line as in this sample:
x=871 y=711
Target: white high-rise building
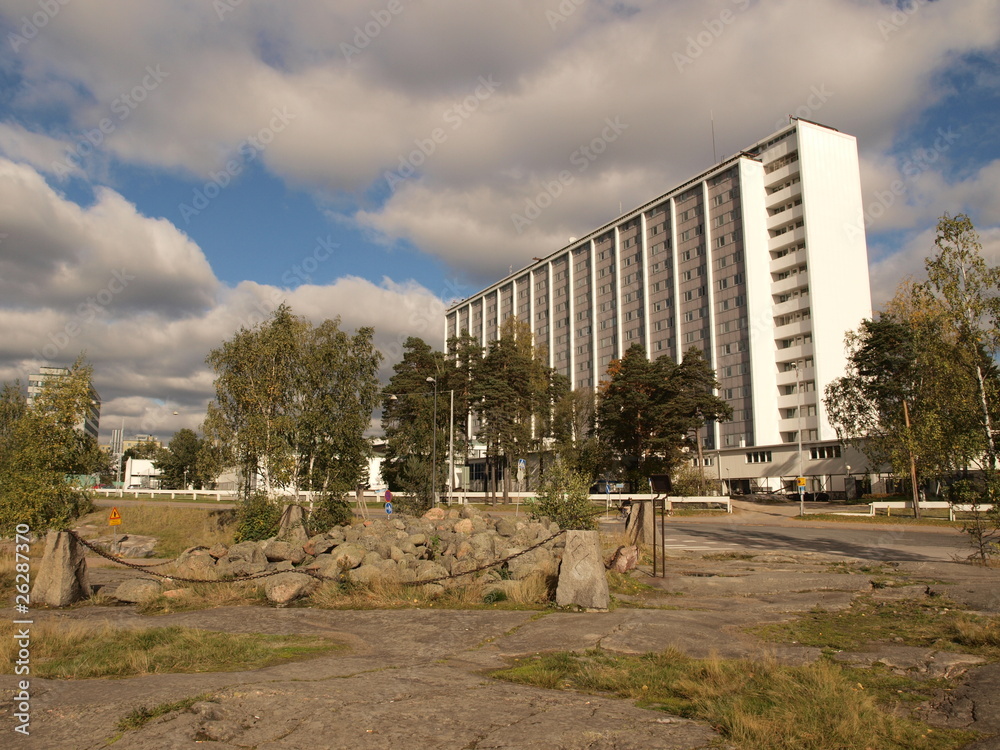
x=760 y=261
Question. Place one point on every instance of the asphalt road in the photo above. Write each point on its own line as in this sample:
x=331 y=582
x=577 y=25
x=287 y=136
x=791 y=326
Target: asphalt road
x=881 y=543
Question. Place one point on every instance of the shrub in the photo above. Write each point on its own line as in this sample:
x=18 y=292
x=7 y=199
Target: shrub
x=563 y=497
x=257 y=518
x=329 y=511
x=983 y=528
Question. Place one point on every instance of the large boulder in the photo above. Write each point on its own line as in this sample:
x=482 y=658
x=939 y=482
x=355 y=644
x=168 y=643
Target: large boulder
x=276 y=550
x=252 y=552
x=196 y=562
x=582 y=579
x=62 y=575
x=292 y=526
x=624 y=559
x=284 y=588
x=138 y=590
x=128 y=546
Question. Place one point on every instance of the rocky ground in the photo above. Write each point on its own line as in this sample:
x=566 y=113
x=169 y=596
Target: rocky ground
x=416 y=678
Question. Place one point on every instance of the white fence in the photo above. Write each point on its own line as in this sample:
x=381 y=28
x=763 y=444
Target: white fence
x=217 y=494
x=889 y=505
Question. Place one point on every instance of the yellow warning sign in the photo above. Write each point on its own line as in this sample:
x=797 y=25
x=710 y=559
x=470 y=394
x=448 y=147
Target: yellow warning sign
x=801 y=481
x=116 y=518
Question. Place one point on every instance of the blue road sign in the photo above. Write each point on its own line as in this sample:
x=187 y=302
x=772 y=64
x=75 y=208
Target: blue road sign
x=388 y=509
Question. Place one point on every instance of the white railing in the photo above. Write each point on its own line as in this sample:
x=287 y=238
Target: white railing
x=217 y=494
x=967 y=509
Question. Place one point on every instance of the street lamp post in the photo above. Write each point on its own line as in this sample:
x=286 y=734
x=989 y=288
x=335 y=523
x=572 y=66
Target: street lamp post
x=451 y=437
x=434 y=442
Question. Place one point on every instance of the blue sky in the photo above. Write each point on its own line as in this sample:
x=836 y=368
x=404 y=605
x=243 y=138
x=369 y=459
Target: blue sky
x=171 y=171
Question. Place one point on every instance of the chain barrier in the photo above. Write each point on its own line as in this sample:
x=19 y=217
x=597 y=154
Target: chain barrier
x=315 y=574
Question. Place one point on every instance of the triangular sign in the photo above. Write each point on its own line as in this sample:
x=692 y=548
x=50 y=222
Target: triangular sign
x=116 y=517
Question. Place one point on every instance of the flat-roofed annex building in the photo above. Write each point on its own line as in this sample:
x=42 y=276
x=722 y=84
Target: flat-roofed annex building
x=760 y=261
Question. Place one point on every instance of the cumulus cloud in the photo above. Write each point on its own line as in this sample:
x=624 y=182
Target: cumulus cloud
x=140 y=299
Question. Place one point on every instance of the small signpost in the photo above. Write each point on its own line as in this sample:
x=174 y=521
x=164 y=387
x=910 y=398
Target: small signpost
x=801 y=484
x=388 y=509
x=115 y=519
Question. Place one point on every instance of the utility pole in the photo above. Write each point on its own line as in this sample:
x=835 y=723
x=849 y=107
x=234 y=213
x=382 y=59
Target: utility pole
x=434 y=434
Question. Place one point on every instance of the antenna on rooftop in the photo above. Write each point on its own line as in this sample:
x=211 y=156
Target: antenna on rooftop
x=715 y=159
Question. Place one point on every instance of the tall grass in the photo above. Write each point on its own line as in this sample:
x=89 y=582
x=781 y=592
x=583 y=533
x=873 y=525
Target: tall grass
x=755 y=704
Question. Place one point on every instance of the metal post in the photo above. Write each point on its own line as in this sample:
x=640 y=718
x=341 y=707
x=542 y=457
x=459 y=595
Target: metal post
x=451 y=449
x=434 y=434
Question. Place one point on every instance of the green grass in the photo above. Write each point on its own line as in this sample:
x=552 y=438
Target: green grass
x=74 y=651
x=754 y=704
x=930 y=623
x=882 y=520
x=139 y=717
x=728 y=556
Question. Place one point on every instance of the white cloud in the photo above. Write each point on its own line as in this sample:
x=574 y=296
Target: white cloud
x=66 y=288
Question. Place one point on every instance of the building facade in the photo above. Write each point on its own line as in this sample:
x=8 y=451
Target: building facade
x=760 y=262
x=91 y=422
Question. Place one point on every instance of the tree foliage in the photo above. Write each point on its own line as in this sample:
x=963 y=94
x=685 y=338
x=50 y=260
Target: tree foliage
x=408 y=422
x=563 y=498
x=511 y=394
x=178 y=464
x=292 y=404
x=40 y=445
x=650 y=411
x=920 y=384
x=968 y=291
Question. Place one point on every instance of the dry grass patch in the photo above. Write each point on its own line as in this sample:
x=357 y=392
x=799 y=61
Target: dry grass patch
x=391 y=593
x=205 y=596
x=932 y=622
x=755 y=704
x=75 y=651
x=176 y=529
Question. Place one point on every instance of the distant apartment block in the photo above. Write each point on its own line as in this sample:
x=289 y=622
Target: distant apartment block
x=760 y=262
x=91 y=422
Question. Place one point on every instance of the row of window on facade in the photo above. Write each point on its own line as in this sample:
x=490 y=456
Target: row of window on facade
x=816 y=453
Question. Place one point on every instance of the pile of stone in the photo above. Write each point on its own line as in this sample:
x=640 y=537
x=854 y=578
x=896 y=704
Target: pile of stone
x=440 y=544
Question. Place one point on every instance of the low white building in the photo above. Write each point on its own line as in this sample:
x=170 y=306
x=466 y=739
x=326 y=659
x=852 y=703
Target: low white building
x=141 y=473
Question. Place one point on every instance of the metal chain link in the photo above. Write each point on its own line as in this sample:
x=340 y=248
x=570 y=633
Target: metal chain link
x=313 y=573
